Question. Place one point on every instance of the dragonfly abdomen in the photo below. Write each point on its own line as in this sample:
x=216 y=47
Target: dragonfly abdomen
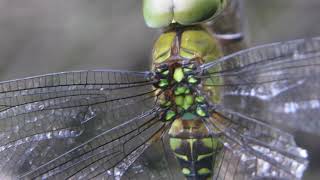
x=194 y=148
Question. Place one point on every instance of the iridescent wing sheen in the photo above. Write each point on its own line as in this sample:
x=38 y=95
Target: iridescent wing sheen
x=276 y=84
x=69 y=124
x=156 y=163
x=254 y=150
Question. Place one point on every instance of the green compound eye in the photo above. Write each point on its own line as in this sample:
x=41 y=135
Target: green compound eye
x=160 y=13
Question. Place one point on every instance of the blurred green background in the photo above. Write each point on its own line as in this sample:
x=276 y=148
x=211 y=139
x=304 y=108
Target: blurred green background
x=42 y=36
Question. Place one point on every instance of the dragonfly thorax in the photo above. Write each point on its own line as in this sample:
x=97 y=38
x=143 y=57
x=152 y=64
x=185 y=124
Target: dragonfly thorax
x=177 y=86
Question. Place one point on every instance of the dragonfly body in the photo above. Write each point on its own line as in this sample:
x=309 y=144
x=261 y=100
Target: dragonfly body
x=177 y=54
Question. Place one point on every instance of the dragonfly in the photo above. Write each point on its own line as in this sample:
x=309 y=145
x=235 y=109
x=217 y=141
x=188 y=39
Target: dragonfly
x=219 y=117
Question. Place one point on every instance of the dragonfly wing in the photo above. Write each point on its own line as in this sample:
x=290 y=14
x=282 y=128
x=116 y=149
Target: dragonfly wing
x=228 y=167
x=276 y=83
x=43 y=117
x=156 y=163
x=107 y=155
x=255 y=150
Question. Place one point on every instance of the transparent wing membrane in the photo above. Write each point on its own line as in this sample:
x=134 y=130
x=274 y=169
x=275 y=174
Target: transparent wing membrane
x=254 y=150
x=275 y=83
x=43 y=117
x=156 y=163
x=108 y=154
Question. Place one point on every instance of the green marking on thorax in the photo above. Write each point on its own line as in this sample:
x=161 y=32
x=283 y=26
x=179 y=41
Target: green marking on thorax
x=192 y=80
x=162 y=47
x=186 y=171
x=211 y=143
x=197 y=42
x=175 y=143
x=194 y=42
x=163 y=83
x=199 y=99
x=200 y=112
x=204 y=171
x=180 y=90
x=181 y=156
x=184 y=102
x=203 y=156
x=179 y=100
x=170 y=115
x=188 y=101
x=178 y=74
x=165 y=73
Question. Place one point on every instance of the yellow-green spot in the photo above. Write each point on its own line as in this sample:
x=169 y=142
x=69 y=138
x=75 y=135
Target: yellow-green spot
x=203 y=156
x=204 y=171
x=181 y=156
x=199 y=99
x=188 y=101
x=186 y=171
x=209 y=142
x=163 y=83
x=187 y=91
x=165 y=73
x=187 y=70
x=180 y=90
x=179 y=100
x=175 y=143
x=170 y=115
x=192 y=80
x=178 y=75
x=200 y=112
